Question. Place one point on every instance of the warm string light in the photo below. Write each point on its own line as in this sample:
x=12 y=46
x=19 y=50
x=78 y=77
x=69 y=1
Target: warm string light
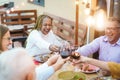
x=100 y=19
x=77 y=2
x=7 y=11
x=15 y=8
x=90 y=21
x=31 y=0
x=12 y=9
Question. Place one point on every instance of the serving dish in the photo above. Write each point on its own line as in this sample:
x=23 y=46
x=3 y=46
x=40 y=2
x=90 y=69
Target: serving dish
x=88 y=68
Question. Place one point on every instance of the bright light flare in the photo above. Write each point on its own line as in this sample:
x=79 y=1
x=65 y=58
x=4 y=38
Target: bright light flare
x=12 y=9
x=31 y=0
x=77 y=2
x=87 y=11
x=90 y=21
x=100 y=19
x=7 y=11
x=23 y=4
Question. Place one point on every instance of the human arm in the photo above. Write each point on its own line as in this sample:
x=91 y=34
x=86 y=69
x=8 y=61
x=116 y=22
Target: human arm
x=90 y=48
x=44 y=73
x=45 y=70
x=101 y=64
x=56 y=61
x=112 y=67
x=38 y=44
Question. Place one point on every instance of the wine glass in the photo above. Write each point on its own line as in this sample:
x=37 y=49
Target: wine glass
x=75 y=55
x=64 y=54
x=64 y=50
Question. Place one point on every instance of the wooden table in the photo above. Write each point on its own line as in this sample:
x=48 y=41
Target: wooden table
x=69 y=67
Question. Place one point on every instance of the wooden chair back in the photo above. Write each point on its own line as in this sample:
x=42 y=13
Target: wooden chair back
x=66 y=29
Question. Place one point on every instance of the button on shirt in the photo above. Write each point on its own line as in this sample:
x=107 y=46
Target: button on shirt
x=107 y=51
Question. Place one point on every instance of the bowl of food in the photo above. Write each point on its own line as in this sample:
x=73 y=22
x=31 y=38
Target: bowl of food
x=71 y=75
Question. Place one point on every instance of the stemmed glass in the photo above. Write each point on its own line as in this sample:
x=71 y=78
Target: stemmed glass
x=66 y=51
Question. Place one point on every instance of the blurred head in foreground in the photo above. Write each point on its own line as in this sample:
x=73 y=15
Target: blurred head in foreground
x=16 y=65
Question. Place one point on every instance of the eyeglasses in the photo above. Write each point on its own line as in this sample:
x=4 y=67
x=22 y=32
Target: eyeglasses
x=8 y=38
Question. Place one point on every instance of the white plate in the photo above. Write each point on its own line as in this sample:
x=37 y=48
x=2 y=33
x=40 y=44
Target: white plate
x=93 y=71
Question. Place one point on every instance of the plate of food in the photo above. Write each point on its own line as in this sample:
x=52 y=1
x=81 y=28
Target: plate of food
x=88 y=68
x=71 y=75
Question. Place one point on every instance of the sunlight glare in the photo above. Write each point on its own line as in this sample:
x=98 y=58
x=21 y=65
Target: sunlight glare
x=100 y=19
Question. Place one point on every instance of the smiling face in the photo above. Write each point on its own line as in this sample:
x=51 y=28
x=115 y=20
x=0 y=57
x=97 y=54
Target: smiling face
x=6 y=41
x=46 y=25
x=112 y=31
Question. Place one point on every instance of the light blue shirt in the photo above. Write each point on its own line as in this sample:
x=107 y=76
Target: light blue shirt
x=107 y=51
x=43 y=72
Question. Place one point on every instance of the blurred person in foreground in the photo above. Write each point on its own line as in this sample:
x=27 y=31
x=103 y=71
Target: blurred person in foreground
x=108 y=46
x=42 y=41
x=43 y=71
x=113 y=67
x=16 y=64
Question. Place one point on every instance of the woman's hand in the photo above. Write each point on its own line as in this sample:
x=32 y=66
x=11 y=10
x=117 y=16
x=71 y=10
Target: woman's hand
x=60 y=62
x=52 y=60
x=54 y=48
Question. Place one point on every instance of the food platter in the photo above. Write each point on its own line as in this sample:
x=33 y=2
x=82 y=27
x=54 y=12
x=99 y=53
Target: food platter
x=91 y=69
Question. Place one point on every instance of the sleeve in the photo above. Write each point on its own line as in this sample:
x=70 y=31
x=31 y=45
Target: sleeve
x=41 y=67
x=37 y=40
x=90 y=48
x=43 y=72
x=114 y=69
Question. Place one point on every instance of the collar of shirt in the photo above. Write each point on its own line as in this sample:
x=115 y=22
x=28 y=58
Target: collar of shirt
x=46 y=34
x=105 y=39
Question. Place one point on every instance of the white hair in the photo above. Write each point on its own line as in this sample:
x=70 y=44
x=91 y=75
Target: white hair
x=15 y=64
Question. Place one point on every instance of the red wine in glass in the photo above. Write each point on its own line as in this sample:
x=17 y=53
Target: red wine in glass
x=75 y=55
x=65 y=54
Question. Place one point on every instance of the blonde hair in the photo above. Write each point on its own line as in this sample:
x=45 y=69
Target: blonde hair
x=39 y=21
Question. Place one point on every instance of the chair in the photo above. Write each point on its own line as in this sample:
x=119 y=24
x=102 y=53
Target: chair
x=19 y=22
